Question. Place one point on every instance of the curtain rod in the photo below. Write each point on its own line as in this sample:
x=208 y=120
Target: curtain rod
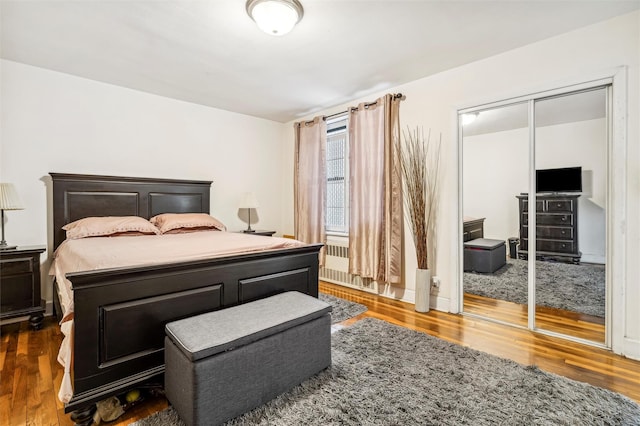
x=395 y=96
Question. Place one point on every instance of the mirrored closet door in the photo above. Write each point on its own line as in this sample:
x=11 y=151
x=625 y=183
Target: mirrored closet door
x=534 y=192
x=571 y=186
x=495 y=143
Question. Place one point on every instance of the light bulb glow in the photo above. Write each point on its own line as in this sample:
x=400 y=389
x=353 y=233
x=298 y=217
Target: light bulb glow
x=275 y=17
x=469 y=118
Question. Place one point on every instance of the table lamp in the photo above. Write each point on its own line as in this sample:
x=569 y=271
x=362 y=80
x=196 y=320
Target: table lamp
x=249 y=202
x=9 y=200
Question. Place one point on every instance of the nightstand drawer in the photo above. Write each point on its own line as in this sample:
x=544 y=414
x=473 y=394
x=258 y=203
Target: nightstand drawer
x=15 y=267
x=20 y=284
x=472 y=234
x=16 y=294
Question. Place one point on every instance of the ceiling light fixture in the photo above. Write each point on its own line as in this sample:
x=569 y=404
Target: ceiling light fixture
x=469 y=118
x=275 y=17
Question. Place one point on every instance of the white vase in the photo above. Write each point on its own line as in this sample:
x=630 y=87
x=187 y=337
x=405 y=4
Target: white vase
x=423 y=289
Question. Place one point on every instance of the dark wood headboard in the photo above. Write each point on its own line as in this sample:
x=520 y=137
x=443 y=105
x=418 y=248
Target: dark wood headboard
x=78 y=196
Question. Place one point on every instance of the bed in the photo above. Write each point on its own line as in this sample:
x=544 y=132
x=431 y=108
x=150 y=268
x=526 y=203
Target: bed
x=119 y=313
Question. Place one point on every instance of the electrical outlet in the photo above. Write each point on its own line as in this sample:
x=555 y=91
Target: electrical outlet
x=435 y=282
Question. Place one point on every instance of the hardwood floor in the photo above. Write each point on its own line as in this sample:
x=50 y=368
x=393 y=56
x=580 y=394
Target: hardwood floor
x=30 y=375
x=575 y=324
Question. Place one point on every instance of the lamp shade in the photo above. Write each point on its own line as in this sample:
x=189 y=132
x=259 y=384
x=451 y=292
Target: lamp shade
x=249 y=201
x=9 y=199
x=275 y=17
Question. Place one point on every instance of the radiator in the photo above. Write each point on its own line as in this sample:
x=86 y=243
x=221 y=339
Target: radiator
x=336 y=267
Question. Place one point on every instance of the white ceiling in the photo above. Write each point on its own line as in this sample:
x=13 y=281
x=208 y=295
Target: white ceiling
x=212 y=53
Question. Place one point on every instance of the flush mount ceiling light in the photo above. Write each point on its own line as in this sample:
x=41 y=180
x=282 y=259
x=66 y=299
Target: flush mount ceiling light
x=469 y=118
x=275 y=17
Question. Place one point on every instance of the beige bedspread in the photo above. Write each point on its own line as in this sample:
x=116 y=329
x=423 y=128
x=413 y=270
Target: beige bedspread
x=89 y=254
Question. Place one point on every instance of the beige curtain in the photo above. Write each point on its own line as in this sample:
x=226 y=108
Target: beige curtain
x=375 y=218
x=310 y=186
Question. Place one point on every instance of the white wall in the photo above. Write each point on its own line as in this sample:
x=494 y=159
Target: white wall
x=54 y=122
x=432 y=102
x=495 y=170
x=584 y=144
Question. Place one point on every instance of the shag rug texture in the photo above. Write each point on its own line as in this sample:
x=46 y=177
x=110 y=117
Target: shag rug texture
x=383 y=374
x=576 y=288
x=342 y=309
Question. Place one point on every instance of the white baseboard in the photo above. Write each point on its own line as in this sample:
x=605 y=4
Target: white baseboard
x=441 y=303
x=631 y=348
x=48 y=308
x=593 y=258
x=436 y=302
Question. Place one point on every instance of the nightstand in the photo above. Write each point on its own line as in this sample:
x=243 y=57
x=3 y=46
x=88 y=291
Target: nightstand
x=260 y=232
x=20 y=284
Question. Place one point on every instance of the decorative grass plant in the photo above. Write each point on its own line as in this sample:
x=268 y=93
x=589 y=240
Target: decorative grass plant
x=420 y=160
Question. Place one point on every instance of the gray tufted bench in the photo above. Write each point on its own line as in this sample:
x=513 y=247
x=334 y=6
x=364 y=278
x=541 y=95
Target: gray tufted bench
x=222 y=364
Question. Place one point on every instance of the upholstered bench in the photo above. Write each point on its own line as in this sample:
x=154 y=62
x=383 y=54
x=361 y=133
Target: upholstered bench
x=221 y=364
x=484 y=255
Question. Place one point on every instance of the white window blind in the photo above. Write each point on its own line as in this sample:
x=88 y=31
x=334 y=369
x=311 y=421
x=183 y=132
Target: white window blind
x=337 y=176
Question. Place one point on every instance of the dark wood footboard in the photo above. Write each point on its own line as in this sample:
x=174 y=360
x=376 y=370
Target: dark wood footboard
x=120 y=313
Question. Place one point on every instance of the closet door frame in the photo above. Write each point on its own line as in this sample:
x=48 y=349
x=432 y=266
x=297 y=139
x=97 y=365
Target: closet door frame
x=616 y=83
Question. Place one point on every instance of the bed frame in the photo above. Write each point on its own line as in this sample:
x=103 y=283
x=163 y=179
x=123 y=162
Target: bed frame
x=120 y=313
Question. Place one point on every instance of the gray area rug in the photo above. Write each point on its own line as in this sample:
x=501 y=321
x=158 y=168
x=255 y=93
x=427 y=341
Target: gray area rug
x=342 y=309
x=383 y=374
x=577 y=288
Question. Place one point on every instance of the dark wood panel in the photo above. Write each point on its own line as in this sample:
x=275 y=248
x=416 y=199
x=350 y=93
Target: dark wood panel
x=555 y=219
x=555 y=246
x=16 y=294
x=145 y=319
x=257 y=287
x=95 y=289
x=79 y=205
x=19 y=266
x=552 y=232
x=20 y=284
x=177 y=203
x=79 y=196
x=557 y=206
x=472 y=229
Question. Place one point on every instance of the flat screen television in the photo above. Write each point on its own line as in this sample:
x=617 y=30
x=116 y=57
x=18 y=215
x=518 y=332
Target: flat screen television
x=567 y=179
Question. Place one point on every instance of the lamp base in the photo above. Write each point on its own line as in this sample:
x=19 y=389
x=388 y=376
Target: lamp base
x=3 y=248
x=249 y=231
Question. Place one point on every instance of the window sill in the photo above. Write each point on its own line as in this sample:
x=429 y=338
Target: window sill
x=338 y=234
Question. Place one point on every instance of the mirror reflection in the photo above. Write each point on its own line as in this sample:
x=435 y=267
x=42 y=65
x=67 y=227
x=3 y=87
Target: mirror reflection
x=570 y=178
x=495 y=169
x=571 y=170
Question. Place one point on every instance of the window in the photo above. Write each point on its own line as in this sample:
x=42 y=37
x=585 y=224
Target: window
x=337 y=215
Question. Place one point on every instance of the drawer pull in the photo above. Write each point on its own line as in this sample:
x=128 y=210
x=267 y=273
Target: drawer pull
x=564 y=218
